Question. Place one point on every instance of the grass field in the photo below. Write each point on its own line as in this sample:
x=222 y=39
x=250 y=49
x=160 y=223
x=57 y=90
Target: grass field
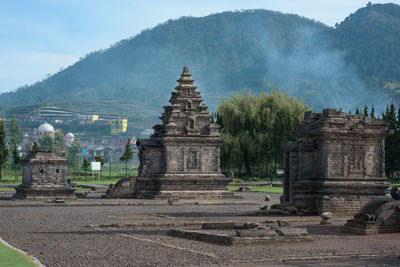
x=261 y=189
x=12 y=258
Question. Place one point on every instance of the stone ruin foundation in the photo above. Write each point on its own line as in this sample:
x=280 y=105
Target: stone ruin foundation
x=181 y=158
x=336 y=164
x=237 y=233
x=376 y=217
x=44 y=176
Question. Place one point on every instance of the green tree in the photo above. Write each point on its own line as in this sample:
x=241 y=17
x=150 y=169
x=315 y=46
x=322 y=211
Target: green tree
x=15 y=130
x=16 y=159
x=35 y=147
x=357 y=111
x=3 y=147
x=85 y=165
x=253 y=129
x=127 y=155
x=59 y=141
x=372 y=114
x=46 y=142
x=74 y=154
x=392 y=142
x=366 y=111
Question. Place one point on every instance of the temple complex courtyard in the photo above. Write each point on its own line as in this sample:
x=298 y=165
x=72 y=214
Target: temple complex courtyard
x=133 y=232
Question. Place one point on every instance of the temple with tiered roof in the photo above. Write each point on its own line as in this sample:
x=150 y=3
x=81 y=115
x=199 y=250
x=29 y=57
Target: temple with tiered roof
x=181 y=158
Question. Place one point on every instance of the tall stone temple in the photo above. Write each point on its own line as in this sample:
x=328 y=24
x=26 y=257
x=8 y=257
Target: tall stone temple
x=181 y=158
x=336 y=164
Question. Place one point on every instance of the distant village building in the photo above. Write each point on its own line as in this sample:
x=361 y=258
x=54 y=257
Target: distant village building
x=119 y=126
x=107 y=152
x=87 y=119
x=43 y=129
x=69 y=139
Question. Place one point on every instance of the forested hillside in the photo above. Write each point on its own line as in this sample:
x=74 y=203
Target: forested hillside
x=235 y=52
x=370 y=38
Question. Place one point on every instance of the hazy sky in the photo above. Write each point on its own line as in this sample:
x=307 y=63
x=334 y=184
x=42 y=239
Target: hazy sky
x=38 y=37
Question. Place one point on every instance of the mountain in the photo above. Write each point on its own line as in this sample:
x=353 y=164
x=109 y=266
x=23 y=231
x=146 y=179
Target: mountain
x=370 y=38
x=355 y=63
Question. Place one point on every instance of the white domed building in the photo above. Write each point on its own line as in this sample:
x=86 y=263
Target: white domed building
x=45 y=128
x=69 y=139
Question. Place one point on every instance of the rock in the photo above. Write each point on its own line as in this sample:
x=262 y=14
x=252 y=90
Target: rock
x=291 y=209
x=395 y=193
x=220 y=225
x=244 y=189
x=278 y=206
x=250 y=225
x=326 y=215
x=256 y=233
x=283 y=223
x=81 y=194
x=291 y=232
x=124 y=188
x=267 y=198
x=264 y=207
x=274 y=211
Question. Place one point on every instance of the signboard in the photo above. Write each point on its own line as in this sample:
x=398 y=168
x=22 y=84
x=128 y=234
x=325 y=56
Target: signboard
x=96 y=166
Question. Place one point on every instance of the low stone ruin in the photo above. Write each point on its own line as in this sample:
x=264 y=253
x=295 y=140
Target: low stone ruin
x=336 y=164
x=44 y=176
x=376 y=217
x=124 y=188
x=231 y=233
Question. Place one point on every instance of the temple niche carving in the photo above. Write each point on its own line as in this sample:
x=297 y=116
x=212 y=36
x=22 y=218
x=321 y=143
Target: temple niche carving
x=336 y=164
x=181 y=158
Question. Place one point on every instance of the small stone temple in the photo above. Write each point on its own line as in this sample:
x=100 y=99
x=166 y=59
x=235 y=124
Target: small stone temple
x=336 y=164
x=44 y=175
x=181 y=158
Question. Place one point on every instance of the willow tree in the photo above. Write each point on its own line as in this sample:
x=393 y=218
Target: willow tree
x=253 y=129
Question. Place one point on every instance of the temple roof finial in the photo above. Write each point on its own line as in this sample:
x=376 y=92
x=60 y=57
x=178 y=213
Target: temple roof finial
x=186 y=70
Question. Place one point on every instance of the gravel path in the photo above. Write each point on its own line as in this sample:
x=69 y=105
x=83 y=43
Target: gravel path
x=60 y=236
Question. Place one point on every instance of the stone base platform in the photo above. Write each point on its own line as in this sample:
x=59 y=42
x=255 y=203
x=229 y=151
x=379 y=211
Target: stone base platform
x=338 y=205
x=44 y=192
x=241 y=234
x=185 y=186
x=187 y=194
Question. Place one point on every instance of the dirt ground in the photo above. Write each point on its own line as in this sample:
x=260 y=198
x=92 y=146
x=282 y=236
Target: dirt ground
x=136 y=235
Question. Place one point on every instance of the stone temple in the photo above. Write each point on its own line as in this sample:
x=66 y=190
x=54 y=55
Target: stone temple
x=336 y=164
x=44 y=177
x=181 y=158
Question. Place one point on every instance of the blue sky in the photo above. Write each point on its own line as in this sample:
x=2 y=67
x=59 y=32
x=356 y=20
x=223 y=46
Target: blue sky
x=38 y=37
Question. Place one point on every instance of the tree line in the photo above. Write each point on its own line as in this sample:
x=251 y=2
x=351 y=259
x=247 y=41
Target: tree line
x=253 y=129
